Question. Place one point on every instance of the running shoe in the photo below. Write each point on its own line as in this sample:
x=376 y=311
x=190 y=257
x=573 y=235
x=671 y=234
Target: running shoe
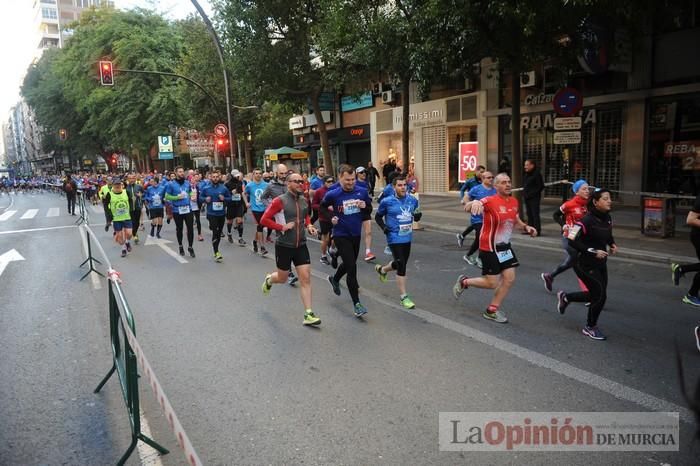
x=230 y=239
x=548 y=280
x=458 y=287
x=241 y=242
x=382 y=275
x=292 y=279
x=334 y=258
x=324 y=260
x=460 y=240
x=676 y=274
x=158 y=235
x=123 y=252
x=128 y=247
x=697 y=337
x=266 y=286
x=263 y=251
x=360 y=310
x=136 y=239
x=562 y=302
x=191 y=251
x=311 y=319
x=407 y=302
x=692 y=300
x=182 y=251
x=471 y=260
x=107 y=227
x=369 y=257
x=593 y=333
x=335 y=284
x=218 y=257
x=498 y=316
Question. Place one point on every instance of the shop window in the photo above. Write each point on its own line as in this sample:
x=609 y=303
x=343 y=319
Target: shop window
x=434 y=160
x=453 y=110
x=468 y=108
x=455 y=135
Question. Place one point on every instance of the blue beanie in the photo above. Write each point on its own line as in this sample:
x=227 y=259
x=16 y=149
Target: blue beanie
x=578 y=185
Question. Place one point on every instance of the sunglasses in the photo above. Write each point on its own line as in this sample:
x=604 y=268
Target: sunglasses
x=296 y=181
x=330 y=181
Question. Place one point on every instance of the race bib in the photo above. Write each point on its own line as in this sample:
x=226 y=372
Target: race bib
x=183 y=209
x=351 y=207
x=573 y=232
x=193 y=205
x=120 y=212
x=218 y=205
x=235 y=197
x=156 y=202
x=504 y=256
x=406 y=229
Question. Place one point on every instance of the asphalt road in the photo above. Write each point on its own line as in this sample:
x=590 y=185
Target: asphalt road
x=251 y=385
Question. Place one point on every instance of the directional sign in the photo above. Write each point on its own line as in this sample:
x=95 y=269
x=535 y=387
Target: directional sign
x=10 y=256
x=567 y=137
x=221 y=129
x=567 y=123
x=567 y=101
x=162 y=243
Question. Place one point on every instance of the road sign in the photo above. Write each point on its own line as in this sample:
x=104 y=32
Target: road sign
x=567 y=137
x=567 y=123
x=221 y=129
x=10 y=256
x=468 y=160
x=567 y=101
x=165 y=148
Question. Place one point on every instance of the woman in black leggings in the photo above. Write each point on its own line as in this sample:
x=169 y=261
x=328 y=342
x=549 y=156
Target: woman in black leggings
x=592 y=238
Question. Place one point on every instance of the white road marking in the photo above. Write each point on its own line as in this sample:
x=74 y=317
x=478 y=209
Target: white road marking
x=7 y=214
x=30 y=230
x=10 y=256
x=96 y=284
x=162 y=243
x=30 y=213
x=53 y=212
x=148 y=455
x=616 y=389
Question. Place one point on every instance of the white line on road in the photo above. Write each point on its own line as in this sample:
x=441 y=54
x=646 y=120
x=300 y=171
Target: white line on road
x=30 y=230
x=53 y=212
x=30 y=213
x=149 y=456
x=96 y=285
x=162 y=243
x=616 y=389
x=7 y=214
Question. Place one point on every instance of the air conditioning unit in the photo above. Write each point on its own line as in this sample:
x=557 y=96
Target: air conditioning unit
x=388 y=97
x=527 y=79
x=377 y=88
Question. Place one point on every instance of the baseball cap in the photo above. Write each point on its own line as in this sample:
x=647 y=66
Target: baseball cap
x=235 y=172
x=359 y=169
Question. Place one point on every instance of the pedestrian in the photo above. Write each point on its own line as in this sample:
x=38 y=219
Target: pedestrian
x=178 y=192
x=119 y=203
x=324 y=218
x=395 y=216
x=316 y=182
x=288 y=214
x=479 y=191
x=533 y=185
x=500 y=213
x=567 y=215
x=389 y=168
x=592 y=238
x=361 y=181
x=71 y=190
x=216 y=196
x=348 y=205
x=372 y=177
x=253 y=200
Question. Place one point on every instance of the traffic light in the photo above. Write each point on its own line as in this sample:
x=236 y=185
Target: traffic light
x=106 y=73
x=114 y=160
x=62 y=134
x=221 y=143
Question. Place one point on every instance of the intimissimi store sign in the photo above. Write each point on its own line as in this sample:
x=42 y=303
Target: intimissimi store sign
x=546 y=120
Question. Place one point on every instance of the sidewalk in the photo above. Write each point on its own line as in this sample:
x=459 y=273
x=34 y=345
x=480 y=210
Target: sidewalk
x=445 y=213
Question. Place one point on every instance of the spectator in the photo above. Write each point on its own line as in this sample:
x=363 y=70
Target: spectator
x=533 y=185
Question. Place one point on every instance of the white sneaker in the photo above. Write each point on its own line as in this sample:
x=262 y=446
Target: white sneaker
x=497 y=316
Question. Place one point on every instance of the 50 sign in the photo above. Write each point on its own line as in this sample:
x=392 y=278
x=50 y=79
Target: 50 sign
x=468 y=160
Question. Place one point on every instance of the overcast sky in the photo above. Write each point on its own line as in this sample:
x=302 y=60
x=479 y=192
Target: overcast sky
x=18 y=43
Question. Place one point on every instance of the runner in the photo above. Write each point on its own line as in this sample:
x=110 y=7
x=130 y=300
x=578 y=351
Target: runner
x=567 y=215
x=119 y=203
x=592 y=238
x=253 y=192
x=288 y=214
x=195 y=204
x=395 y=217
x=277 y=187
x=178 y=192
x=216 y=196
x=104 y=190
x=71 y=190
x=466 y=187
x=234 y=208
x=154 y=205
x=324 y=218
x=679 y=270
x=347 y=204
x=479 y=191
x=366 y=218
x=135 y=191
x=500 y=216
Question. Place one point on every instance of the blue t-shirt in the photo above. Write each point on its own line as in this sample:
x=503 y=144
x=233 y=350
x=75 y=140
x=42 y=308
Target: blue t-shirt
x=174 y=188
x=479 y=192
x=215 y=206
x=254 y=191
x=154 y=196
x=346 y=208
x=398 y=217
x=316 y=183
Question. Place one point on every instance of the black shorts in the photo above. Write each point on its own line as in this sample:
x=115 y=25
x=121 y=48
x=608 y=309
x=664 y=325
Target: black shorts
x=156 y=213
x=400 y=252
x=257 y=215
x=285 y=256
x=491 y=263
x=234 y=209
x=326 y=227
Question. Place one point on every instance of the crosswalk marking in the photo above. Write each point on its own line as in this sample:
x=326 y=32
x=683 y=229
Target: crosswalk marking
x=30 y=213
x=53 y=212
x=7 y=215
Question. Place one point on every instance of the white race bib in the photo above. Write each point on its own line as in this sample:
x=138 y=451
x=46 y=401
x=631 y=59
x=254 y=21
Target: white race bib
x=573 y=232
x=405 y=229
x=155 y=201
x=218 y=205
x=504 y=256
x=350 y=207
x=183 y=209
x=120 y=212
x=235 y=197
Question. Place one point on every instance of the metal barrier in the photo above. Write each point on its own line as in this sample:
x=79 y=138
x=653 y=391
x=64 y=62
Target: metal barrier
x=124 y=364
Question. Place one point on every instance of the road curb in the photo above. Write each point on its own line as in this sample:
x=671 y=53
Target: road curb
x=555 y=244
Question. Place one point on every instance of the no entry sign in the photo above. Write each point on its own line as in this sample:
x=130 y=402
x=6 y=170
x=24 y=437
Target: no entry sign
x=567 y=101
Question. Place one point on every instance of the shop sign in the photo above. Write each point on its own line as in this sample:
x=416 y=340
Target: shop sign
x=468 y=160
x=539 y=121
x=350 y=102
x=87 y=162
x=422 y=118
x=200 y=146
x=296 y=122
x=567 y=123
x=567 y=137
x=272 y=157
x=689 y=151
x=537 y=99
x=310 y=120
x=299 y=156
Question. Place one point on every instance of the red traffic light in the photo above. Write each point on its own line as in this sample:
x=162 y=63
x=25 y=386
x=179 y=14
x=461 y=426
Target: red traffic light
x=106 y=73
x=221 y=142
x=62 y=134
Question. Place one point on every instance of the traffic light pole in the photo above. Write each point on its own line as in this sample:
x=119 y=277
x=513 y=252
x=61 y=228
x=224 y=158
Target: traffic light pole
x=232 y=135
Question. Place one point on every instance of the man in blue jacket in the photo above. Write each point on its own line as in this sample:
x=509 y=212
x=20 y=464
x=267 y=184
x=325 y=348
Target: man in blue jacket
x=178 y=192
x=216 y=196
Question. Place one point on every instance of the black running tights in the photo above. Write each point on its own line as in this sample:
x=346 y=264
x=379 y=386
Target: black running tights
x=596 y=280
x=187 y=219
x=348 y=249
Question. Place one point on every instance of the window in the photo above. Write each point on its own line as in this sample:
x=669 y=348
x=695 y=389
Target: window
x=49 y=13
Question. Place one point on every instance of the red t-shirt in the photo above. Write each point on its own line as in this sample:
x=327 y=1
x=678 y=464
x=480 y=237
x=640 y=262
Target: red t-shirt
x=574 y=209
x=500 y=216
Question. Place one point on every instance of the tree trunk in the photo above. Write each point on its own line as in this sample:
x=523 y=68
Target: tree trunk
x=516 y=162
x=322 y=132
x=405 y=156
